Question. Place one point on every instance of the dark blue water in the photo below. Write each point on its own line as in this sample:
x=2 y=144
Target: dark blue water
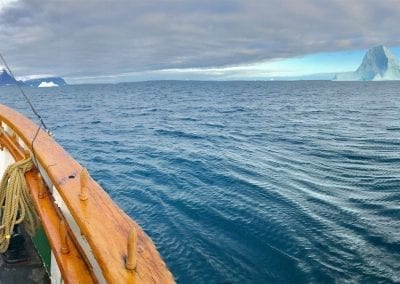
x=245 y=182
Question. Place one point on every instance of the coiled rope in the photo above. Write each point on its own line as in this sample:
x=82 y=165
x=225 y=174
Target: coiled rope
x=16 y=203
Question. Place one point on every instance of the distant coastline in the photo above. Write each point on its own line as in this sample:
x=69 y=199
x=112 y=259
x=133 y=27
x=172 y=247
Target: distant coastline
x=378 y=64
x=6 y=80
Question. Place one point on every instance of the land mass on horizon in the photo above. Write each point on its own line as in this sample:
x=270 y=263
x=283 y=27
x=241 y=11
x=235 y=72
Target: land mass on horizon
x=7 y=79
x=378 y=64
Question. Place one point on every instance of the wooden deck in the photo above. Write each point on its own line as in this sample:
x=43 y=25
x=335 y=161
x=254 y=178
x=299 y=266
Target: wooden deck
x=96 y=222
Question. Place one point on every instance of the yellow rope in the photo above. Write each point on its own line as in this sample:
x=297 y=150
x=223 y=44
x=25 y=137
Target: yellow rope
x=16 y=203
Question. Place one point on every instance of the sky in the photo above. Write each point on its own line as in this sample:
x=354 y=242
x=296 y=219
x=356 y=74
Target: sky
x=128 y=40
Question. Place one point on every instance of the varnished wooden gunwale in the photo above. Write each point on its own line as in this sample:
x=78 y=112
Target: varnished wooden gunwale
x=102 y=223
x=72 y=266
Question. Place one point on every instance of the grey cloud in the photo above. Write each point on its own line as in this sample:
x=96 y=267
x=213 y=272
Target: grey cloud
x=88 y=38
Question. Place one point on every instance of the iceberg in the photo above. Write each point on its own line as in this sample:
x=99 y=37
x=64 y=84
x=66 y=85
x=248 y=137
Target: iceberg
x=47 y=84
x=379 y=64
x=38 y=81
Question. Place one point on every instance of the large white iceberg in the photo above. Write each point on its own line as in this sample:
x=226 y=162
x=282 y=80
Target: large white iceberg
x=379 y=64
x=47 y=84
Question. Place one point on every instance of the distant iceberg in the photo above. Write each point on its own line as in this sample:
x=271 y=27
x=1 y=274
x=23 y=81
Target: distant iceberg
x=379 y=64
x=39 y=81
x=47 y=84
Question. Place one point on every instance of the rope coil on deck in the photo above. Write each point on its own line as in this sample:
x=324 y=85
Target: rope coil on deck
x=16 y=203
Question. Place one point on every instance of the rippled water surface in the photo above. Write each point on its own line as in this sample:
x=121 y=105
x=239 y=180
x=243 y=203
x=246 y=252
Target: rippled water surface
x=245 y=182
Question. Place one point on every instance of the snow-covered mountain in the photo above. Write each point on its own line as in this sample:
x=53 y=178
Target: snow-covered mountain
x=379 y=64
x=6 y=79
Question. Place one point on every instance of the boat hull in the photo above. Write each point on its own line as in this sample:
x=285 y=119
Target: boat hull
x=96 y=228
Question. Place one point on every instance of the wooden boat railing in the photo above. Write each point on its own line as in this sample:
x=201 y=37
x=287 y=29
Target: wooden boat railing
x=96 y=229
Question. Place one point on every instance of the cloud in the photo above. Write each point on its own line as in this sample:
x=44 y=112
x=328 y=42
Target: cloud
x=5 y=3
x=102 y=38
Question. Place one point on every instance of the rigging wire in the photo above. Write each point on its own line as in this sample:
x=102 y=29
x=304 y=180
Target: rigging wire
x=25 y=96
x=18 y=84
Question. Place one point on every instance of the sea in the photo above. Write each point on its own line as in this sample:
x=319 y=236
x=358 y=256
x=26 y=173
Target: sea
x=244 y=182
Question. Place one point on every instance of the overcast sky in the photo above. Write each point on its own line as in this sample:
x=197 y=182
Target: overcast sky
x=97 y=40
